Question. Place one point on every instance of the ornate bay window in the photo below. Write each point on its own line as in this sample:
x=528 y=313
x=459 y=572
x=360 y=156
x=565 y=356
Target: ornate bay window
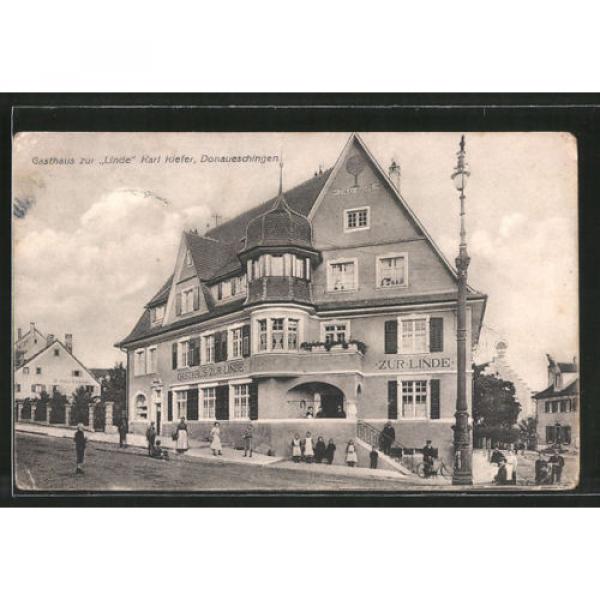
x=278 y=331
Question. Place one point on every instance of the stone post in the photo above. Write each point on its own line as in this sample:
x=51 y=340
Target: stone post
x=19 y=410
x=67 y=414
x=108 y=418
x=48 y=413
x=33 y=404
x=91 y=410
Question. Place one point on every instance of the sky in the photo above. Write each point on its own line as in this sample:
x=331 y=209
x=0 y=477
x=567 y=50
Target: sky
x=93 y=242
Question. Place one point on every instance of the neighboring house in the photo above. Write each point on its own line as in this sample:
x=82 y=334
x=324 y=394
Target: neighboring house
x=330 y=298
x=29 y=344
x=558 y=405
x=501 y=368
x=53 y=367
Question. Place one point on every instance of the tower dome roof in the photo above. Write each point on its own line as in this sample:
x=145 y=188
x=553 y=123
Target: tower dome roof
x=279 y=226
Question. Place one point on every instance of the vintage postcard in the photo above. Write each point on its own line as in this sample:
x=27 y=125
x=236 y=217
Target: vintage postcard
x=289 y=312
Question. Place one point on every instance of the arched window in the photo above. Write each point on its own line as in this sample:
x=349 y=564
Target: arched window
x=141 y=407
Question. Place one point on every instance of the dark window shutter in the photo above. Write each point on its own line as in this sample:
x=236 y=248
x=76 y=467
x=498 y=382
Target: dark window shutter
x=392 y=399
x=222 y=403
x=178 y=303
x=434 y=399
x=224 y=345
x=192 y=405
x=246 y=340
x=170 y=406
x=196 y=298
x=174 y=354
x=197 y=361
x=391 y=337
x=436 y=334
x=253 y=388
x=217 y=346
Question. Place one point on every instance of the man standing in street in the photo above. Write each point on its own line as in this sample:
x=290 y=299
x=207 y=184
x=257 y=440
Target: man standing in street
x=557 y=463
x=248 y=438
x=428 y=458
x=151 y=437
x=80 y=442
x=123 y=433
x=388 y=437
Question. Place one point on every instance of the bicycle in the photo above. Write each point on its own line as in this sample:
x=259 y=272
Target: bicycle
x=439 y=467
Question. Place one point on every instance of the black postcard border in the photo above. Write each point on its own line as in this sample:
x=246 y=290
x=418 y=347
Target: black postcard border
x=578 y=114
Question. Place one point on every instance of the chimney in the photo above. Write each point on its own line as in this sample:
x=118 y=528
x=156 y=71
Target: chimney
x=69 y=342
x=394 y=173
x=19 y=333
x=31 y=326
x=575 y=363
x=50 y=338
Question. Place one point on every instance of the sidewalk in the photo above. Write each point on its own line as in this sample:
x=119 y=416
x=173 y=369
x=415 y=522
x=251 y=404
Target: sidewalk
x=199 y=450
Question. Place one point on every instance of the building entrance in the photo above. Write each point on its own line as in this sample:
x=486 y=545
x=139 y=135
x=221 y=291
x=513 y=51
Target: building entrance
x=321 y=400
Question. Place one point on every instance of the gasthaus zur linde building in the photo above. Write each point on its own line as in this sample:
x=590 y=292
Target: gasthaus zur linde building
x=330 y=299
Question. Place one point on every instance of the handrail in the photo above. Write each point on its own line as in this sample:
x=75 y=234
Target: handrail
x=372 y=436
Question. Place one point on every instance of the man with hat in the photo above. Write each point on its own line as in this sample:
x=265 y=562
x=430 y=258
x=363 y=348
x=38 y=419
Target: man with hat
x=428 y=458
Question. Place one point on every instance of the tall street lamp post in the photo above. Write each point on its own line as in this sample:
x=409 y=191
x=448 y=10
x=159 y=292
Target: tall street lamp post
x=463 y=452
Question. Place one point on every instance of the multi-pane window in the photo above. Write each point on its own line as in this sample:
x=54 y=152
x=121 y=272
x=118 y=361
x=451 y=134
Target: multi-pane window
x=152 y=366
x=184 y=354
x=298 y=267
x=262 y=335
x=342 y=276
x=209 y=348
x=181 y=404
x=357 y=218
x=241 y=401
x=187 y=300
x=139 y=364
x=236 y=342
x=38 y=370
x=277 y=332
x=335 y=332
x=391 y=271
x=413 y=335
x=209 y=398
x=157 y=313
x=414 y=399
x=292 y=334
x=141 y=407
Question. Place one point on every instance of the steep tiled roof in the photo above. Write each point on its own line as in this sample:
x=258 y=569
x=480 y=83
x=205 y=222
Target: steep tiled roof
x=163 y=294
x=210 y=255
x=549 y=392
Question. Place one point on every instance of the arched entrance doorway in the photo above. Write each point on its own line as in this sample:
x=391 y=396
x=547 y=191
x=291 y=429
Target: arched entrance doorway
x=323 y=400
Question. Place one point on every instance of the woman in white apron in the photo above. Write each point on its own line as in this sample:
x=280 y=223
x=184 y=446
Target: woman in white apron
x=309 y=451
x=296 y=448
x=351 y=457
x=182 y=437
x=215 y=440
x=511 y=466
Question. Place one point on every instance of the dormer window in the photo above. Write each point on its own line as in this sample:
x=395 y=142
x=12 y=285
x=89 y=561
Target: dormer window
x=157 y=313
x=357 y=219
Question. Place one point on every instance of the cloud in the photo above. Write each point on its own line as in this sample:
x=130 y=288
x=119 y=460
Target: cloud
x=119 y=254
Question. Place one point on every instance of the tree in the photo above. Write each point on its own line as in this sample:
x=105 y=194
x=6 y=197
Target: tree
x=495 y=409
x=114 y=390
x=42 y=406
x=528 y=432
x=79 y=407
x=57 y=404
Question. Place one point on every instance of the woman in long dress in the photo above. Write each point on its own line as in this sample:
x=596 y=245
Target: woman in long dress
x=215 y=440
x=351 y=457
x=296 y=448
x=182 y=437
x=309 y=451
x=511 y=466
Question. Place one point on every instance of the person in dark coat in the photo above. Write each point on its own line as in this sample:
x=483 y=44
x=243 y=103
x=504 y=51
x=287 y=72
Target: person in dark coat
x=320 y=450
x=159 y=452
x=541 y=469
x=80 y=442
x=497 y=456
x=374 y=457
x=557 y=462
x=151 y=437
x=123 y=433
x=388 y=437
x=428 y=457
x=330 y=451
x=502 y=475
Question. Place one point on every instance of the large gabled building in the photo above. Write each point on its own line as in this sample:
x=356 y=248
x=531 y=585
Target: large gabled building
x=330 y=298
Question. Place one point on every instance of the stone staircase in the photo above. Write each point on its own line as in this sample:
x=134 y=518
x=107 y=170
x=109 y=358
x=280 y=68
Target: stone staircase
x=368 y=436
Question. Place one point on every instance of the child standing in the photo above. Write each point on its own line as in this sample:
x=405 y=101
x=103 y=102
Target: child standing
x=248 y=434
x=330 y=451
x=309 y=451
x=351 y=458
x=296 y=448
x=374 y=456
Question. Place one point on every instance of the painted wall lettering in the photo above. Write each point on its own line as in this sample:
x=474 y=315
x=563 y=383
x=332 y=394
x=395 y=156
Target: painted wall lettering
x=395 y=364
